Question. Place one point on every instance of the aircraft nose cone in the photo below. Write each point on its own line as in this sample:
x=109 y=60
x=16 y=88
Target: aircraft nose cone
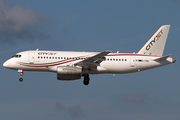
x=6 y=64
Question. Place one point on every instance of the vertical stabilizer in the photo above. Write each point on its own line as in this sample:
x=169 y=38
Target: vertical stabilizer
x=155 y=45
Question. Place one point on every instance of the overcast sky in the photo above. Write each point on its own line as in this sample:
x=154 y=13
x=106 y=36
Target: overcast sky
x=96 y=25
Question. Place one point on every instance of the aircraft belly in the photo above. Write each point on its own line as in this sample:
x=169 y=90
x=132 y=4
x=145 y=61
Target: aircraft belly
x=147 y=65
x=34 y=68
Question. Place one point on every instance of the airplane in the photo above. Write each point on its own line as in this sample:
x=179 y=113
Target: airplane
x=73 y=65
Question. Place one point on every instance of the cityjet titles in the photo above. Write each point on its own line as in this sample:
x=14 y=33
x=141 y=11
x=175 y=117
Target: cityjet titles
x=46 y=53
x=148 y=47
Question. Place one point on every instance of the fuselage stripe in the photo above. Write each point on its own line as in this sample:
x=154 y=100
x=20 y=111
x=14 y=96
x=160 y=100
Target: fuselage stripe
x=29 y=65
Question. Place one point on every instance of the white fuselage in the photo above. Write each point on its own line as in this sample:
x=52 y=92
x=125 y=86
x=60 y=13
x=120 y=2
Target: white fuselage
x=115 y=63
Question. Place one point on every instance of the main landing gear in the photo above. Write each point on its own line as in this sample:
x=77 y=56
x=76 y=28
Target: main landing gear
x=86 y=79
x=21 y=74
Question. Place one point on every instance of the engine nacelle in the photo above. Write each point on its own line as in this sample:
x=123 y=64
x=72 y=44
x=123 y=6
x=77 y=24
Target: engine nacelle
x=68 y=77
x=69 y=70
x=68 y=73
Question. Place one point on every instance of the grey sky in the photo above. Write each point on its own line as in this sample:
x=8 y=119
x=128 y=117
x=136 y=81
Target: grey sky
x=18 y=22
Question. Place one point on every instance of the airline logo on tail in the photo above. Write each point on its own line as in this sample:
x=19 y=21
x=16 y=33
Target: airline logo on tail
x=148 y=47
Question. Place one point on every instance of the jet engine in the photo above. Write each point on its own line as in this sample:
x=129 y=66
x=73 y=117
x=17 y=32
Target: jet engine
x=68 y=73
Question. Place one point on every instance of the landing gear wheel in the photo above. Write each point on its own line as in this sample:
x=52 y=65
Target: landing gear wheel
x=86 y=80
x=20 y=79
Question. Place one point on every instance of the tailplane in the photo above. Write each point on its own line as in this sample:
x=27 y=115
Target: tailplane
x=155 y=45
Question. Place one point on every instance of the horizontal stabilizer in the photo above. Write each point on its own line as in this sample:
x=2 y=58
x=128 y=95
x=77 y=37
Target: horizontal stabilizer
x=163 y=58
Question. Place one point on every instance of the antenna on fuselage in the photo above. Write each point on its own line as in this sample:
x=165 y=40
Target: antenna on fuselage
x=37 y=49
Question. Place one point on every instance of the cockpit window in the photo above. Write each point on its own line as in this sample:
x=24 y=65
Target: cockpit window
x=16 y=56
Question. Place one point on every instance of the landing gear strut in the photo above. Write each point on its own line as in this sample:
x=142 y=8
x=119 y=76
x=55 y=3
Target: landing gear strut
x=86 y=79
x=21 y=74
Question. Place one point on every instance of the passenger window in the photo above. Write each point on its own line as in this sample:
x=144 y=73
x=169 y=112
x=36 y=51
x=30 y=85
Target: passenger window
x=122 y=59
x=119 y=59
x=55 y=57
x=58 y=57
x=49 y=57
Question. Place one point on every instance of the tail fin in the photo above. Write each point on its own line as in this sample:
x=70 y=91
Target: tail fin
x=155 y=45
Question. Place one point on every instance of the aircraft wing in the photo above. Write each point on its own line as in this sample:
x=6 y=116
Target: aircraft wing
x=94 y=61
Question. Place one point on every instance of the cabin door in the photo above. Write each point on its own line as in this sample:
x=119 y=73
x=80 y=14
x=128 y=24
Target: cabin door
x=31 y=57
x=132 y=61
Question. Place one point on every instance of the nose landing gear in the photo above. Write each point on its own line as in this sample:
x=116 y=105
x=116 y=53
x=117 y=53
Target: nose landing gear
x=21 y=74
